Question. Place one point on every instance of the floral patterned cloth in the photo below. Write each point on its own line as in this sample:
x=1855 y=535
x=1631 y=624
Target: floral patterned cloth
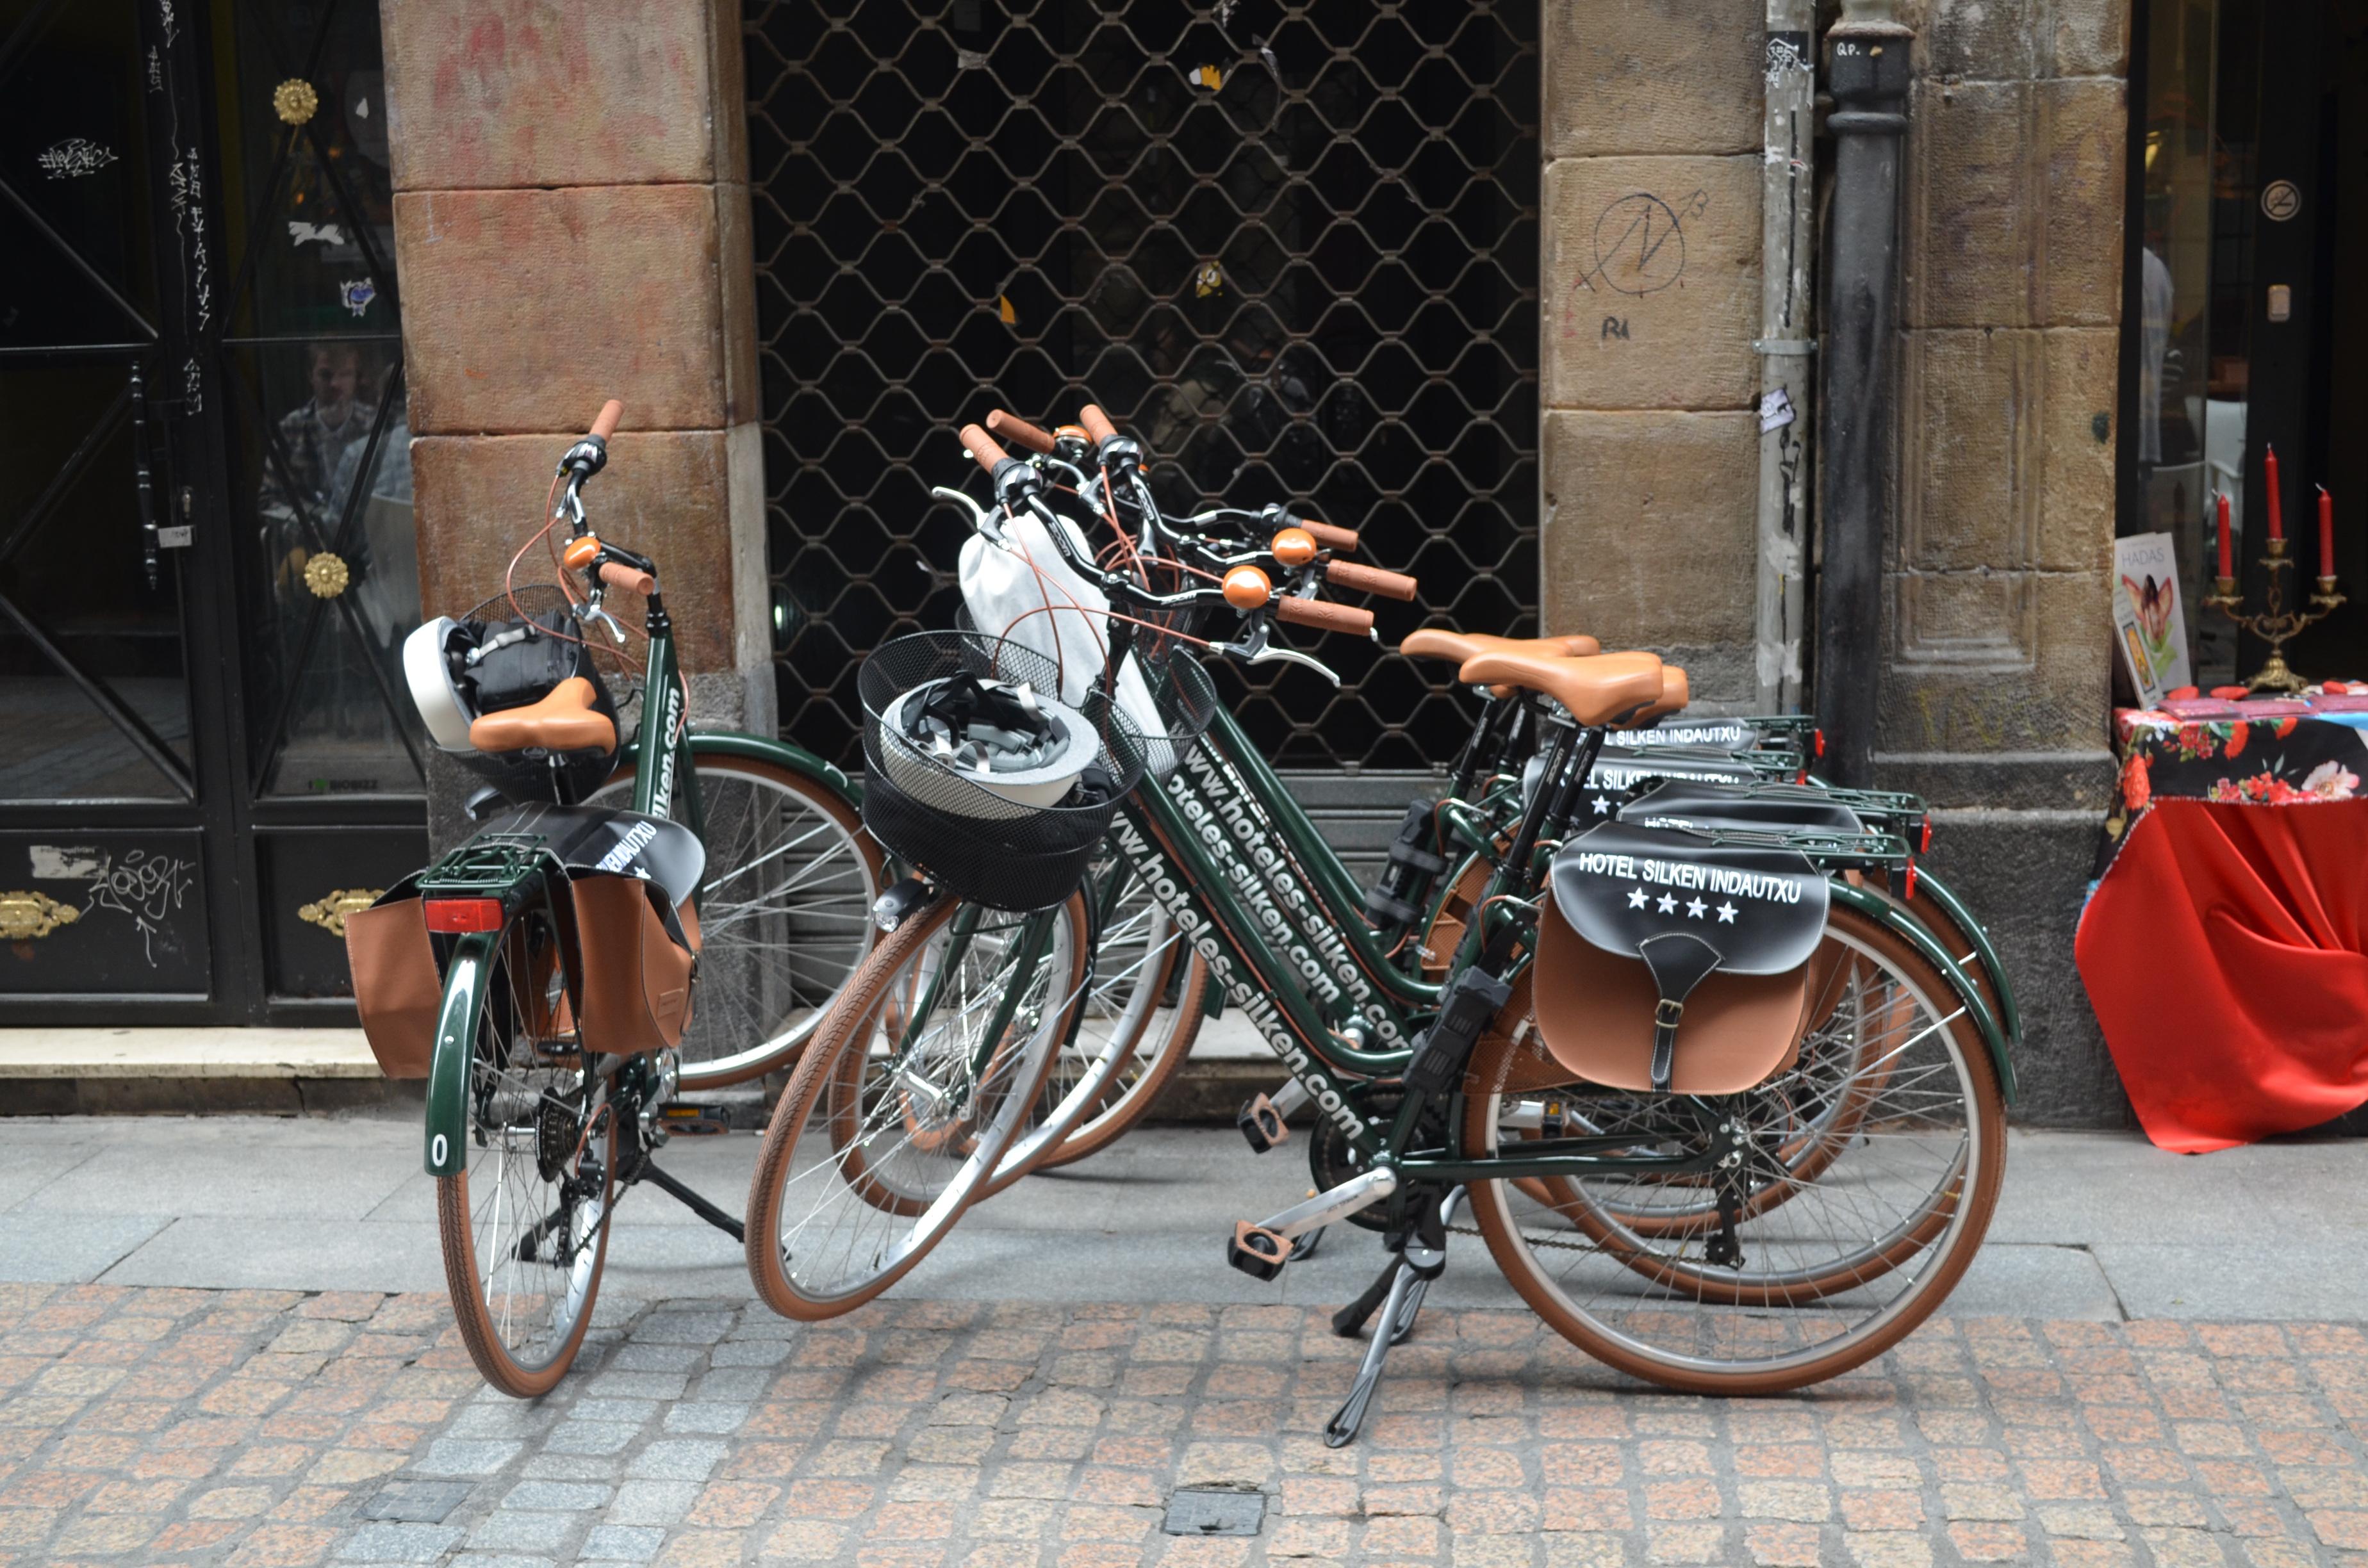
x=2285 y=760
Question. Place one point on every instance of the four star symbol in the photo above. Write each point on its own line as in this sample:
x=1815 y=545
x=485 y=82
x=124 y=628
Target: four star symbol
x=1668 y=902
x=1696 y=908
x=1635 y=898
x=1727 y=915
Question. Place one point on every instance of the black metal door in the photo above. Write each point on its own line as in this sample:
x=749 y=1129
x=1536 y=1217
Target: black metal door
x=206 y=557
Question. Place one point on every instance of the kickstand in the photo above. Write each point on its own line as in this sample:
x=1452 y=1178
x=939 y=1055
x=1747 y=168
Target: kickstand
x=1398 y=1292
x=649 y=1172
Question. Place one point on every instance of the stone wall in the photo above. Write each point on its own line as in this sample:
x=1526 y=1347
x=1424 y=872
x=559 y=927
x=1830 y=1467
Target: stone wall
x=1651 y=300
x=1996 y=687
x=594 y=244
x=1995 y=679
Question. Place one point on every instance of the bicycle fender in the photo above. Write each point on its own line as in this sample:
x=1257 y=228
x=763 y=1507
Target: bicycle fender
x=447 y=1065
x=1881 y=909
x=2009 y=1014
x=761 y=748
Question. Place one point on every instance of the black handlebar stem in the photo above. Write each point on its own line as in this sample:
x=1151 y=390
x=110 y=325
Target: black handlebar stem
x=1016 y=483
x=585 y=457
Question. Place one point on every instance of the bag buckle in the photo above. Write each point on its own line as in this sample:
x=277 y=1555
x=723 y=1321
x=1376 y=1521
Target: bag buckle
x=1666 y=1013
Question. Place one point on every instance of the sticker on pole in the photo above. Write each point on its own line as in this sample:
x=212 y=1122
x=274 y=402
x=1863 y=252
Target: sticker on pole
x=1775 y=410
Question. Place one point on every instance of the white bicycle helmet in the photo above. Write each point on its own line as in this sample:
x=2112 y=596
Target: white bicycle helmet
x=429 y=674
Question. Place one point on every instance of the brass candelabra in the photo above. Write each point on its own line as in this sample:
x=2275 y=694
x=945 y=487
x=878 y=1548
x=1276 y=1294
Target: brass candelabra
x=2277 y=625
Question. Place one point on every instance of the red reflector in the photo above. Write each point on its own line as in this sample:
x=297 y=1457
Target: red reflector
x=1909 y=896
x=1819 y=737
x=1927 y=844
x=454 y=915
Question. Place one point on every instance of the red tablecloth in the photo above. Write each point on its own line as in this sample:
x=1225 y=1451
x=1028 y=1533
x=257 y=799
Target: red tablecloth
x=2226 y=952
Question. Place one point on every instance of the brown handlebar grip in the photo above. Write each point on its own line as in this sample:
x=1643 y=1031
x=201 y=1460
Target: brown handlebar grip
x=1369 y=580
x=1018 y=432
x=1098 y=424
x=617 y=575
x=1331 y=538
x=606 y=426
x=982 y=447
x=1324 y=617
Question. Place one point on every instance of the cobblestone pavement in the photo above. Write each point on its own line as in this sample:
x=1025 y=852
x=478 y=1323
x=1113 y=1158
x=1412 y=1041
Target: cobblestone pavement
x=156 y=1425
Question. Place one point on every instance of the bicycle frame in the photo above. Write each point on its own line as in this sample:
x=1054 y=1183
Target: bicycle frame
x=1199 y=845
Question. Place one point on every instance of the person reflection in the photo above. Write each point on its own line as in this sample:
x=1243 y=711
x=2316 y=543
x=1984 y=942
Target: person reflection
x=311 y=465
x=314 y=434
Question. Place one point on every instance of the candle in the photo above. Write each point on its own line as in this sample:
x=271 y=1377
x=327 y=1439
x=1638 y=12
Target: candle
x=2228 y=560
x=2269 y=478
x=2326 y=533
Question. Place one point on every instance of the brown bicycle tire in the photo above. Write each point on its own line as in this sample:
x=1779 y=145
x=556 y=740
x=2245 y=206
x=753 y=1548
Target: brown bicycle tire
x=1493 y=1215
x=848 y=1021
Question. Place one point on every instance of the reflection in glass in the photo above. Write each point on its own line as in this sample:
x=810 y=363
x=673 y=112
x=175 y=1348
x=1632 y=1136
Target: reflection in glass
x=2192 y=257
x=322 y=446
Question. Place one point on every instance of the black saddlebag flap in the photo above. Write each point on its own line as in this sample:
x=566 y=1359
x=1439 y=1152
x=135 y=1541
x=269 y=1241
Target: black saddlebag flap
x=1761 y=807
x=1621 y=885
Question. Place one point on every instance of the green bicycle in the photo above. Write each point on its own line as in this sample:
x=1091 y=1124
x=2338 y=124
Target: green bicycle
x=542 y=976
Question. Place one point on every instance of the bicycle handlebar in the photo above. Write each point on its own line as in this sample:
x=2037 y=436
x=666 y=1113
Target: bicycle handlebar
x=1324 y=617
x=1018 y=432
x=605 y=425
x=619 y=575
x=982 y=447
x=1369 y=580
x=1097 y=423
x=1329 y=536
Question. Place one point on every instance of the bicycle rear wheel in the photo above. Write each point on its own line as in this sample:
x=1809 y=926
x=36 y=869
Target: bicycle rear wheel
x=1858 y=1253
x=784 y=911
x=916 y=1082
x=524 y=1228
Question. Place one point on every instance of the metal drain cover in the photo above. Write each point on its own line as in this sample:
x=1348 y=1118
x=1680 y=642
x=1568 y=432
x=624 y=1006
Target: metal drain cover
x=1214 y=1513
x=418 y=1502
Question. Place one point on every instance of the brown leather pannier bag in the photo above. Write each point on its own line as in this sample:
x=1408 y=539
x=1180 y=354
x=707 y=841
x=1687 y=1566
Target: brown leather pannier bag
x=1670 y=961
x=396 y=987
x=634 y=975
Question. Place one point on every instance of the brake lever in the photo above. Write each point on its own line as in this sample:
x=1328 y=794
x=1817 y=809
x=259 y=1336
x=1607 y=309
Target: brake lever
x=594 y=610
x=1255 y=649
x=982 y=521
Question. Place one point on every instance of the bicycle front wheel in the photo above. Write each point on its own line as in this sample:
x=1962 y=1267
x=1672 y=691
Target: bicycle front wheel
x=784 y=911
x=1126 y=1041
x=1869 y=1236
x=905 y=1099
x=524 y=1228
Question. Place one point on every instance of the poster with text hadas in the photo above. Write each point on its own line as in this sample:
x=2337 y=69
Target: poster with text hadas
x=2149 y=628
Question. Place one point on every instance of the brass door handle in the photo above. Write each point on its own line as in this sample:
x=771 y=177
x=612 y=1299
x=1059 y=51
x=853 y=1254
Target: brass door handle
x=330 y=910
x=24 y=915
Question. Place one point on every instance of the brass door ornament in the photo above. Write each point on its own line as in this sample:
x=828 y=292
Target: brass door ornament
x=329 y=912
x=294 y=100
x=24 y=915
x=326 y=575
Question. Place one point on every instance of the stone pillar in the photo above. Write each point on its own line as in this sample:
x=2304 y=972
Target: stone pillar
x=1996 y=689
x=571 y=224
x=1650 y=301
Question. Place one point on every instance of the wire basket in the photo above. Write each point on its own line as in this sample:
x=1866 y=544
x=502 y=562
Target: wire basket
x=1187 y=701
x=537 y=775
x=982 y=845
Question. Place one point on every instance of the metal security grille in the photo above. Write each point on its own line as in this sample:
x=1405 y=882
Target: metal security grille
x=1293 y=247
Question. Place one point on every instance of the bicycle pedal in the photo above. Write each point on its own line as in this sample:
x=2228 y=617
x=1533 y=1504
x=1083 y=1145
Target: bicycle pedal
x=1262 y=1126
x=1256 y=1251
x=695 y=1121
